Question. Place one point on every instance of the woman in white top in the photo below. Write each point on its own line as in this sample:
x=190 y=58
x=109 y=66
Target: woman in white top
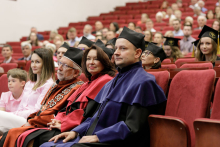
x=40 y=76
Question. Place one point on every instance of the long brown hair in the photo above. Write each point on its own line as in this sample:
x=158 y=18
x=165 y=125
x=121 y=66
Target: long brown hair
x=109 y=67
x=201 y=57
x=36 y=42
x=176 y=53
x=48 y=69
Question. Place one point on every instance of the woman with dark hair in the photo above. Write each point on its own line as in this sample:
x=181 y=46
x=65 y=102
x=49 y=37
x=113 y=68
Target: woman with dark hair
x=152 y=57
x=207 y=47
x=171 y=48
x=216 y=25
x=210 y=15
x=99 y=70
x=33 y=40
x=40 y=76
x=148 y=36
x=114 y=26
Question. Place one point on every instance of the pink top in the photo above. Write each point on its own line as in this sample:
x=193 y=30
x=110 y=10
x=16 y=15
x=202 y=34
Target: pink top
x=9 y=102
x=31 y=100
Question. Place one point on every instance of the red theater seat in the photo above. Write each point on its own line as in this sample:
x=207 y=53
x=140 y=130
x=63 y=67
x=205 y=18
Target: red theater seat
x=168 y=66
x=4 y=84
x=8 y=66
x=28 y=65
x=185 y=103
x=195 y=65
x=182 y=60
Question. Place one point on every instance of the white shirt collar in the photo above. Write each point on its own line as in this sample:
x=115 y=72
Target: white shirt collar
x=8 y=61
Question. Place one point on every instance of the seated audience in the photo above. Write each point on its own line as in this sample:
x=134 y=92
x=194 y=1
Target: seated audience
x=217 y=10
x=87 y=32
x=98 y=35
x=104 y=32
x=56 y=99
x=71 y=35
x=10 y=100
x=193 y=4
x=179 y=3
x=150 y=26
x=178 y=14
x=98 y=27
x=33 y=40
x=62 y=50
x=114 y=27
x=159 y=17
x=171 y=21
x=53 y=33
x=148 y=36
x=111 y=44
x=7 y=54
x=201 y=4
x=138 y=29
x=40 y=80
x=175 y=7
x=189 y=19
x=170 y=13
x=216 y=25
x=168 y=34
x=110 y=35
x=26 y=49
x=152 y=57
x=143 y=20
x=85 y=43
x=131 y=25
x=171 y=48
x=70 y=118
x=158 y=38
x=198 y=12
x=210 y=14
x=201 y=22
x=39 y=36
x=207 y=46
x=177 y=28
x=58 y=37
x=164 y=5
x=186 y=43
x=122 y=113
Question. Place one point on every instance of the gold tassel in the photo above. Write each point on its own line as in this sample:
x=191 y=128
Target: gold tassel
x=193 y=53
x=218 y=50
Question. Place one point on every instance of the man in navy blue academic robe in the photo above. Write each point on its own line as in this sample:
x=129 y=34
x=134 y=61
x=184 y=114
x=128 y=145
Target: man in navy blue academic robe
x=124 y=103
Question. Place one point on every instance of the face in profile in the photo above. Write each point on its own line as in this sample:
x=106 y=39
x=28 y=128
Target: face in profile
x=147 y=58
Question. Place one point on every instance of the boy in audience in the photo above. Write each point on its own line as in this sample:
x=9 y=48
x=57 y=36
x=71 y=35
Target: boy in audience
x=7 y=54
x=16 y=81
x=26 y=51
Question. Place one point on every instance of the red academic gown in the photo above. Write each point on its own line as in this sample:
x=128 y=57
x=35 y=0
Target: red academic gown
x=40 y=119
x=72 y=118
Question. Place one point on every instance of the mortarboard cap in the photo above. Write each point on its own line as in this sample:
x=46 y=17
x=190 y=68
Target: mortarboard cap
x=100 y=44
x=75 y=55
x=171 y=41
x=112 y=41
x=65 y=45
x=86 y=41
x=137 y=39
x=156 y=51
x=147 y=42
x=209 y=32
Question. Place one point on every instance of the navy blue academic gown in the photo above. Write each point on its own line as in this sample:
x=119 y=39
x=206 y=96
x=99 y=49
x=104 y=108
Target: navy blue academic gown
x=124 y=106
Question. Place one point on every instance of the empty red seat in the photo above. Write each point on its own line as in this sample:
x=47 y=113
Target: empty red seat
x=4 y=84
x=195 y=65
x=8 y=66
x=182 y=60
x=185 y=103
x=14 y=43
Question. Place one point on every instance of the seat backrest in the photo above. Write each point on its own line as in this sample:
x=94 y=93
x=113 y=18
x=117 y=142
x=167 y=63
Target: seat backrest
x=195 y=65
x=216 y=102
x=189 y=96
x=28 y=65
x=8 y=66
x=168 y=66
x=4 y=84
x=166 y=61
x=181 y=60
x=162 y=79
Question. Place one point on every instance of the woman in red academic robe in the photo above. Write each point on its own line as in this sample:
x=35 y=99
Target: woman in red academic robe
x=99 y=70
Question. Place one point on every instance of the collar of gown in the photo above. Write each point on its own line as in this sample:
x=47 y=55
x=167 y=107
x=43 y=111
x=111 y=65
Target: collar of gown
x=129 y=67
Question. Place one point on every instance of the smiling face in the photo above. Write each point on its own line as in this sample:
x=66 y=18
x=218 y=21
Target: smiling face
x=15 y=85
x=125 y=53
x=36 y=64
x=93 y=65
x=206 y=46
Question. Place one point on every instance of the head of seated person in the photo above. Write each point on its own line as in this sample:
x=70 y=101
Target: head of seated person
x=26 y=49
x=98 y=26
x=84 y=43
x=144 y=18
x=189 y=19
x=72 y=33
x=201 y=21
x=62 y=50
x=171 y=48
x=113 y=27
x=148 y=36
x=7 y=52
x=152 y=57
x=58 y=37
x=52 y=47
x=33 y=39
x=158 y=38
x=216 y=25
x=96 y=61
x=131 y=26
x=207 y=46
x=159 y=17
x=110 y=35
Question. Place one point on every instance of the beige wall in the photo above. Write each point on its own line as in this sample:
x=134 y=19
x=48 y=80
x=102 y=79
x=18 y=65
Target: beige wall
x=18 y=17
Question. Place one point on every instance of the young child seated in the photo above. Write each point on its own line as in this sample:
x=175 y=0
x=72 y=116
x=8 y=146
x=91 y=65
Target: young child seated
x=10 y=100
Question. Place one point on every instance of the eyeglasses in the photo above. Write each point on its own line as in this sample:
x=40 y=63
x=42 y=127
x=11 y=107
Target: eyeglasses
x=146 y=53
x=64 y=65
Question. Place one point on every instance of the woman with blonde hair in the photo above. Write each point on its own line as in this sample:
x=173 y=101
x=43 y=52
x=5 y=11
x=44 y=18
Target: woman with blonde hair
x=58 y=37
x=148 y=36
x=53 y=33
x=171 y=48
x=207 y=47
